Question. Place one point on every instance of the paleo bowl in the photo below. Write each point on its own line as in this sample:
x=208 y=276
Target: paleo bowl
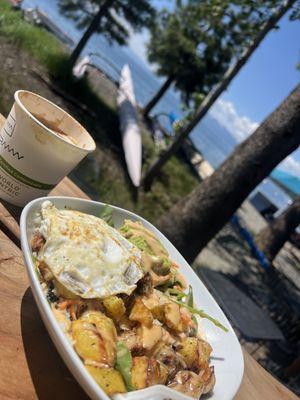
x=227 y=356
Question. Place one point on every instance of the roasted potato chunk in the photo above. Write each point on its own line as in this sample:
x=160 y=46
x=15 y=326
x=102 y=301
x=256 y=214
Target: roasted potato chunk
x=115 y=307
x=94 y=337
x=195 y=353
x=188 y=348
x=147 y=372
x=139 y=372
x=204 y=351
x=140 y=313
x=149 y=337
x=173 y=361
x=208 y=376
x=109 y=379
x=172 y=317
x=158 y=313
x=154 y=302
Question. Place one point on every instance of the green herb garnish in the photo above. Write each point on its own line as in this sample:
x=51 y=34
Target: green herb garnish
x=175 y=292
x=190 y=302
x=190 y=297
x=106 y=215
x=202 y=314
x=124 y=229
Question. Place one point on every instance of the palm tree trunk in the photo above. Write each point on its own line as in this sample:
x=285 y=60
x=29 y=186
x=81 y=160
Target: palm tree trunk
x=155 y=99
x=215 y=93
x=94 y=25
x=194 y=221
x=271 y=239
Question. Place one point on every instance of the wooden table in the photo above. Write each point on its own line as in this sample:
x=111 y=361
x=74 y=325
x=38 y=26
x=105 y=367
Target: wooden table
x=30 y=367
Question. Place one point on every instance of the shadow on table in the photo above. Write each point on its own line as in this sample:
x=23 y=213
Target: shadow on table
x=50 y=376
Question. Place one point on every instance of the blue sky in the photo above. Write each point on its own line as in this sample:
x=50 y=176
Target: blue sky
x=262 y=84
x=270 y=74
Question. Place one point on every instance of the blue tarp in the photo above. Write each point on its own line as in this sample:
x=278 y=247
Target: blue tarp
x=288 y=180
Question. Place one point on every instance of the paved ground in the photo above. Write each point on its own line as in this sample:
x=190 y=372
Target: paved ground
x=278 y=293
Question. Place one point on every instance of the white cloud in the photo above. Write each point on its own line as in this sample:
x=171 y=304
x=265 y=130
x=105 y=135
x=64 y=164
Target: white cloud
x=291 y=166
x=225 y=113
x=137 y=44
x=241 y=127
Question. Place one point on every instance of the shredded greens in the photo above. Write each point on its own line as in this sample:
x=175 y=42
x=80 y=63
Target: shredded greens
x=124 y=364
x=124 y=229
x=106 y=215
x=176 y=296
x=141 y=243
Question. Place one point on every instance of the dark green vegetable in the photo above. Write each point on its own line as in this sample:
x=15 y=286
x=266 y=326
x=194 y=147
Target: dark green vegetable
x=124 y=364
x=190 y=302
x=190 y=297
x=106 y=215
x=175 y=292
x=173 y=280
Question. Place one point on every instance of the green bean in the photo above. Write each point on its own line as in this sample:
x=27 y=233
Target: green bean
x=124 y=364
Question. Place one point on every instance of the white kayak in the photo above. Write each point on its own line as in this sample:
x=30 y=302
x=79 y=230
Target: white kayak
x=131 y=134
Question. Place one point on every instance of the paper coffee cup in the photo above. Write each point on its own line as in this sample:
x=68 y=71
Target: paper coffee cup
x=39 y=145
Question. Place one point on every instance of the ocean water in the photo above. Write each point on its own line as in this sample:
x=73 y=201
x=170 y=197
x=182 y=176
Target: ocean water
x=213 y=140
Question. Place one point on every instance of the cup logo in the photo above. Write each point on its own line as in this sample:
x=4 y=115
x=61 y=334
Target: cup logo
x=30 y=166
x=8 y=130
x=10 y=125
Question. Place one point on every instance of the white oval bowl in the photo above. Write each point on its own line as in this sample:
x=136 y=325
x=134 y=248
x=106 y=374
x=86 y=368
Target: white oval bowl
x=227 y=356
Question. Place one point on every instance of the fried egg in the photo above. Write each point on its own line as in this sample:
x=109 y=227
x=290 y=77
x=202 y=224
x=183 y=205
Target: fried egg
x=86 y=255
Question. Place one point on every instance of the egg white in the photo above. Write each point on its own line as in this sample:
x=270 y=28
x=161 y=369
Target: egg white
x=86 y=255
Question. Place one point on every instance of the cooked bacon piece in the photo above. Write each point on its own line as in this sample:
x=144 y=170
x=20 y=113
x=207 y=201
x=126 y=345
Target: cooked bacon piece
x=37 y=241
x=145 y=285
x=45 y=271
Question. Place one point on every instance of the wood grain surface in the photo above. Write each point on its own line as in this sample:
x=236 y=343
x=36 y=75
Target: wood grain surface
x=30 y=367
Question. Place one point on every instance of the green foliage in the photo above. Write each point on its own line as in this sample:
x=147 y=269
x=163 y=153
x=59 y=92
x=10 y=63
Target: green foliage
x=295 y=14
x=46 y=49
x=111 y=185
x=196 y=43
x=37 y=41
x=136 y=13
